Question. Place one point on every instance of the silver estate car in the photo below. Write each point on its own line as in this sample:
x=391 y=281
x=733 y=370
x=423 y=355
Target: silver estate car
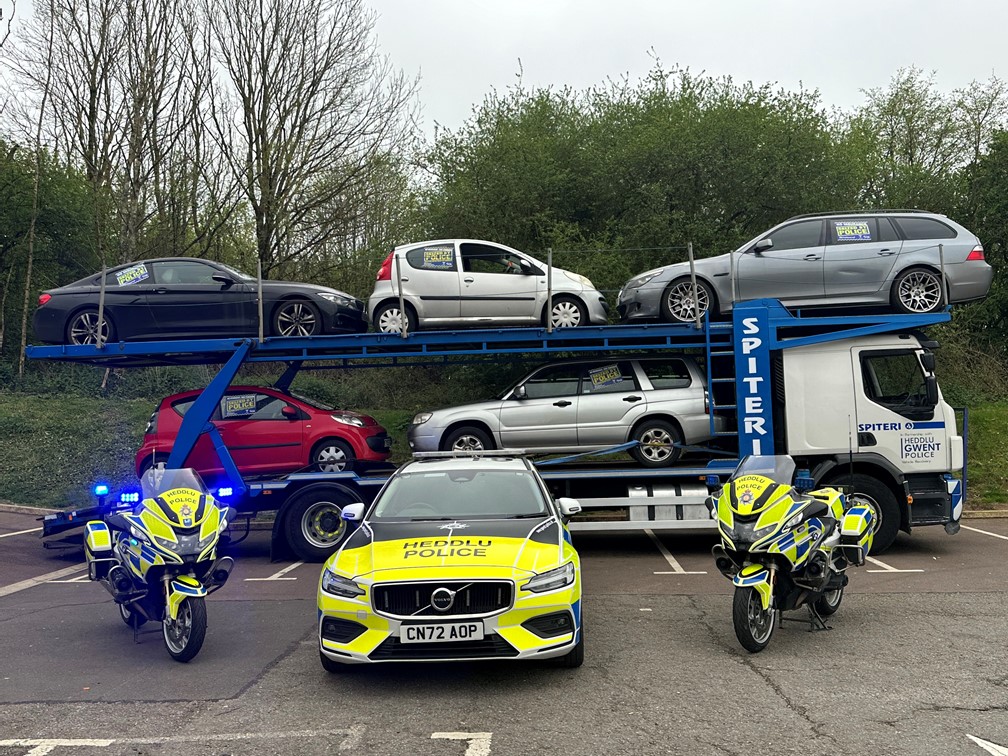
x=469 y=282
x=579 y=406
x=882 y=258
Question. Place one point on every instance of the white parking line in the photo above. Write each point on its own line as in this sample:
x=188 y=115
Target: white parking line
x=673 y=563
x=985 y=532
x=7 y=590
x=278 y=575
x=992 y=748
x=20 y=532
x=479 y=742
x=79 y=579
x=886 y=567
x=41 y=746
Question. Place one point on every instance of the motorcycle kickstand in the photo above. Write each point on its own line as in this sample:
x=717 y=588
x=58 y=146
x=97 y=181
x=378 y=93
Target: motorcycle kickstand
x=816 y=622
x=136 y=633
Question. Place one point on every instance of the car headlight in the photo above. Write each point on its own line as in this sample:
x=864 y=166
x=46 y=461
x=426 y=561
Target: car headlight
x=348 y=420
x=422 y=417
x=578 y=278
x=636 y=283
x=338 y=299
x=340 y=586
x=550 y=581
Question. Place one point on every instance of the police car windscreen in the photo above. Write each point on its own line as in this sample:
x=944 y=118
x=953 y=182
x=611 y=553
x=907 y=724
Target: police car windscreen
x=449 y=495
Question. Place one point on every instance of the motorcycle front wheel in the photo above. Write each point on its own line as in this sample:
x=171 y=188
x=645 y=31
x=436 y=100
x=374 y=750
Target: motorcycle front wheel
x=184 y=636
x=753 y=624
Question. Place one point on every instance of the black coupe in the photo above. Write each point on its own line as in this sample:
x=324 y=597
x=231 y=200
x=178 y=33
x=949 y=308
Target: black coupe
x=182 y=297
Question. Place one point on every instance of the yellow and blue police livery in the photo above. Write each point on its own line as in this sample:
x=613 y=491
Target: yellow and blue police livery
x=456 y=559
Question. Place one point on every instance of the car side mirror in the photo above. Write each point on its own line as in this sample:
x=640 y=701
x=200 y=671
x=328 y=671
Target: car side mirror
x=289 y=412
x=353 y=512
x=222 y=279
x=519 y=393
x=762 y=246
x=568 y=507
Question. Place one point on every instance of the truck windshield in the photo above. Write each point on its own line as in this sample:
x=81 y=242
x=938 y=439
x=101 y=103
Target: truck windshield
x=456 y=494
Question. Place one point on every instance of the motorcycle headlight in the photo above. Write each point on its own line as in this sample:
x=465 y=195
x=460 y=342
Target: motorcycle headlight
x=139 y=534
x=337 y=299
x=340 y=586
x=578 y=278
x=792 y=522
x=166 y=543
x=550 y=581
x=348 y=420
x=422 y=417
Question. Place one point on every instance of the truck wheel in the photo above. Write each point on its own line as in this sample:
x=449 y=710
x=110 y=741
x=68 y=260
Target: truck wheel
x=659 y=443
x=314 y=526
x=753 y=624
x=467 y=439
x=184 y=636
x=882 y=500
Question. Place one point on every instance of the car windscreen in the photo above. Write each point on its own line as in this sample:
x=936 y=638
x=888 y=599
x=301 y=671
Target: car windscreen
x=419 y=495
x=235 y=272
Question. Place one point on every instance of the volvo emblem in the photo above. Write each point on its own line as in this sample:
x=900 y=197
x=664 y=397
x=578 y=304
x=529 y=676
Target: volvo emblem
x=454 y=526
x=442 y=599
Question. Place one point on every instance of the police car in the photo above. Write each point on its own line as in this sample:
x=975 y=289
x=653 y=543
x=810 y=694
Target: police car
x=458 y=558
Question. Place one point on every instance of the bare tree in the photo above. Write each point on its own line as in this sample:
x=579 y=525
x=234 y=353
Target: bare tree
x=313 y=98
x=35 y=199
x=6 y=20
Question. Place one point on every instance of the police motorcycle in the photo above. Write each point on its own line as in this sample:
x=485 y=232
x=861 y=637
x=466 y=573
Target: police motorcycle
x=159 y=559
x=785 y=546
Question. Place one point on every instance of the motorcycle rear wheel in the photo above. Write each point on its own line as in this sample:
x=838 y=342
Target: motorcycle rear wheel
x=184 y=636
x=829 y=602
x=753 y=624
x=130 y=617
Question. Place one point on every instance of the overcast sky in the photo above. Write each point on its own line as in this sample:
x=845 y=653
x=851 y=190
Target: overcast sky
x=462 y=49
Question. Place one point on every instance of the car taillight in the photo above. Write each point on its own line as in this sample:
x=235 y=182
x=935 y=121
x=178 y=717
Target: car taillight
x=976 y=253
x=706 y=402
x=43 y=298
x=385 y=271
x=151 y=424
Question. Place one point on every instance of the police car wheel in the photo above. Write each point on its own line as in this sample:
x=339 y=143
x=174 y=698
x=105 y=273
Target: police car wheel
x=575 y=657
x=330 y=666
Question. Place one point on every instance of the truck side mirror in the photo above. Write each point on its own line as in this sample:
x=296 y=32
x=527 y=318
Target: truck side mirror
x=931 y=386
x=928 y=361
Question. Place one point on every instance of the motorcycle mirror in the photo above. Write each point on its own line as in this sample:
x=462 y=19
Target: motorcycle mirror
x=711 y=503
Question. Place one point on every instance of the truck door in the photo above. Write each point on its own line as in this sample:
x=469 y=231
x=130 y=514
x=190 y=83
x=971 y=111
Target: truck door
x=896 y=415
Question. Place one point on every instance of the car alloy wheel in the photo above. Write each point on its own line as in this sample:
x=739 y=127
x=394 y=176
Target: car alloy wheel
x=467 y=443
x=297 y=319
x=657 y=444
x=681 y=304
x=84 y=328
x=919 y=291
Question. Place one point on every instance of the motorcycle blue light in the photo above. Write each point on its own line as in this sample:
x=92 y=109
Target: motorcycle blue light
x=226 y=491
x=713 y=480
x=101 y=490
x=129 y=497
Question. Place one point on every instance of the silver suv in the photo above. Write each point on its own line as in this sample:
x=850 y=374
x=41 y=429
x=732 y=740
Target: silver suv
x=469 y=282
x=583 y=406
x=884 y=258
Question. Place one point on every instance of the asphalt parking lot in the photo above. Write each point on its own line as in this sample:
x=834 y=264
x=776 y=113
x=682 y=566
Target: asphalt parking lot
x=915 y=664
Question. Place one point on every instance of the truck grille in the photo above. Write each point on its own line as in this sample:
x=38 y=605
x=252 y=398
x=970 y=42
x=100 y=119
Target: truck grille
x=414 y=599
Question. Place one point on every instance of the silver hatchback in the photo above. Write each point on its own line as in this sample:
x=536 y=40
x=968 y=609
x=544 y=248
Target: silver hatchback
x=469 y=282
x=581 y=406
x=881 y=259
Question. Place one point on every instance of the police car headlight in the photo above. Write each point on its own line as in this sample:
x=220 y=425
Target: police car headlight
x=550 y=581
x=348 y=420
x=422 y=417
x=340 y=586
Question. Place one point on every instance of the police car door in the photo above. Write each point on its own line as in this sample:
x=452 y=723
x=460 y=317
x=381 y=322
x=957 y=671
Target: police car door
x=895 y=416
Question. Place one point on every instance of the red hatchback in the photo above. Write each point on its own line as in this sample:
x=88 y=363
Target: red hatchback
x=268 y=432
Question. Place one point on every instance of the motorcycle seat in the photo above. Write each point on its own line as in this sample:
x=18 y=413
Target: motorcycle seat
x=117 y=521
x=817 y=508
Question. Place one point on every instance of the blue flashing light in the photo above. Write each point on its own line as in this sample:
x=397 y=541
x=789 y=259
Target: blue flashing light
x=225 y=491
x=129 y=497
x=101 y=490
x=713 y=480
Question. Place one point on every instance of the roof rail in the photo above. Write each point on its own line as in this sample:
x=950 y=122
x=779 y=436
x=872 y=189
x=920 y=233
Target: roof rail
x=471 y=453
x=861 y=212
